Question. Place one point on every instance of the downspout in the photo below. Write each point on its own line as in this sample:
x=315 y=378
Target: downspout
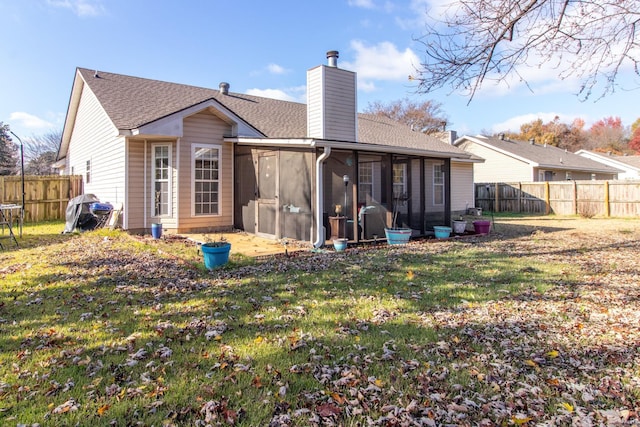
x=145 y=195
x=320 y=235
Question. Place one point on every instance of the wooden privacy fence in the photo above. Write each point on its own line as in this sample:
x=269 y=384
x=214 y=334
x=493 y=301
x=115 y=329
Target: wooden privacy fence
x=585 y=198
x=46 y=197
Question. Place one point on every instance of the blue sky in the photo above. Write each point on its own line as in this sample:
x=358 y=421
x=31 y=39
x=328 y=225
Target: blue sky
x=259 y=47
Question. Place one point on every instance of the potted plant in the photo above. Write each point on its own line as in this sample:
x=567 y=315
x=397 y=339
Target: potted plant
x=459 y=225
x=397 y=235
x=215 y=252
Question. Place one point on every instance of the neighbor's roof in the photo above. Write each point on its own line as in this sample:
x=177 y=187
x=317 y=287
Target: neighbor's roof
x=132 y=102
x=539 y=155
x=633 y=161
x=630 y=161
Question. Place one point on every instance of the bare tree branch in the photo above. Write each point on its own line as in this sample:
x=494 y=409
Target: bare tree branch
x=40 y=152
x=426 y=116
x=493 y=40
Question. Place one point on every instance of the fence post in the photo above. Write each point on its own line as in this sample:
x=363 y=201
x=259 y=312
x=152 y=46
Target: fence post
x=607 y=209
x=575 y=198
x=496 y=204
x=547 y=200
x=519 y=196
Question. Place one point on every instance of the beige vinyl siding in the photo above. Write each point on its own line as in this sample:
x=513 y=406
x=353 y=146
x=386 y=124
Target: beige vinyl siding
x=428 y=186
x=462 y=189
x=314 y=103
x=205 y=128
x=600 y=176
x=332 y=104
x=94 y=138
x=140 y=185
x=497 y=167
x=561 y=175
x=135 y=184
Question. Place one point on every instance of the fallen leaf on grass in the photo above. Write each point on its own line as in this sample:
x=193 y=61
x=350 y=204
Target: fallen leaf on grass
x=520 y=419
x=103 y=409
x=327 y=410
x=552 y=354
x=68 y=406
x=568 y=407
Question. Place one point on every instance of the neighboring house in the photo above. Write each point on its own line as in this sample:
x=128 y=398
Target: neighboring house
x=198 y=159
x=629 y=165
x=507 y=160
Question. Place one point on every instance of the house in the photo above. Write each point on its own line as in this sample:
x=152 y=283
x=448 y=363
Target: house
x=507 y=160
x=629 y=166
x=199 y=159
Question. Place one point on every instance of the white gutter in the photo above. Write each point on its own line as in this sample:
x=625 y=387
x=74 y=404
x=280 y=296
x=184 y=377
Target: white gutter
x=345 y=145
x=320 y=232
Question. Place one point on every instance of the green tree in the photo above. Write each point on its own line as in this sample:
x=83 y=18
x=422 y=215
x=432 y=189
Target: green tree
x=8 y=151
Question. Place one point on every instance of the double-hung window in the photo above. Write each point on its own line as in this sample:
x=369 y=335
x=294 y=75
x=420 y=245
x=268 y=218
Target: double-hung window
x=161 y=171
x=399 y=181
x=206 y=179
x=438 y=184
x=365 y=181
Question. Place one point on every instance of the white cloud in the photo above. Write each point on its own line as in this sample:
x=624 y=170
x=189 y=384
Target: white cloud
x=382 y=61
x=364 y=4
x=366 y=86
x=80 y=7
x=276 y=69
x=271 y=93
x=513 y=124
x=426 y=11
x=387 y=6
x=29 y=121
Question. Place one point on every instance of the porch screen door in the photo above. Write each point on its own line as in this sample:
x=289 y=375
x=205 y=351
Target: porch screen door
x=267 y=212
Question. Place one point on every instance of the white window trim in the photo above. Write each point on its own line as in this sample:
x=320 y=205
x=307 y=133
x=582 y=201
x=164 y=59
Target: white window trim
x=438 y=185
x=372 y=182
x=153 y=180
x=218 y=147
x=404 y=178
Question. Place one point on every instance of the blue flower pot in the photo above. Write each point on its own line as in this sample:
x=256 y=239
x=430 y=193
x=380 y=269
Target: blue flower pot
x=156 y=230
x=340 y=244
x=215 y=254
x=397 y=236
x=442 y=231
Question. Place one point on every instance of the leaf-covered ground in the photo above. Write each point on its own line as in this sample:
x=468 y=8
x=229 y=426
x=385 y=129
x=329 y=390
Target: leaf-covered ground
x=537 y=324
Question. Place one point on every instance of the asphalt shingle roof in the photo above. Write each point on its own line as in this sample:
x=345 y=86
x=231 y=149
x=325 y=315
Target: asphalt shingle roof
x=132 y=102
x=546 y=156
x=633 y=161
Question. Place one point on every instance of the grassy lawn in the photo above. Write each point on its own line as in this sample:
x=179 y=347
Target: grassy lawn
x=529 y=326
